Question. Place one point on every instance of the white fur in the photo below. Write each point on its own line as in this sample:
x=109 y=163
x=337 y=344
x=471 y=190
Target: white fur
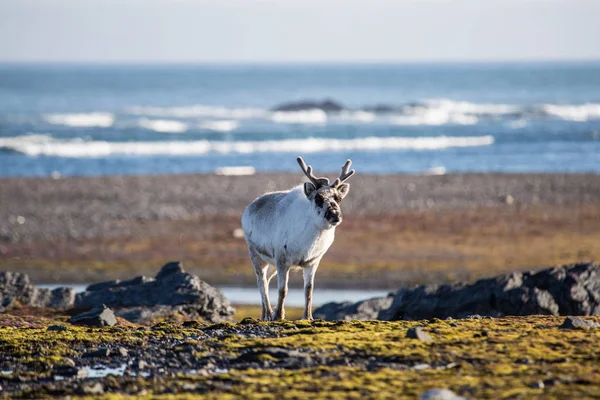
x=285 y=229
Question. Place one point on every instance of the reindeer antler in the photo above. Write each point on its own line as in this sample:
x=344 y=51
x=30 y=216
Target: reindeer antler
x=345 y=175
x=318 y=182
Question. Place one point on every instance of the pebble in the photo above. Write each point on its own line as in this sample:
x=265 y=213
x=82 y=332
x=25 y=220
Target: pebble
x=92 y=388
x=418 y=333
x=440 y=394
x=238 y=233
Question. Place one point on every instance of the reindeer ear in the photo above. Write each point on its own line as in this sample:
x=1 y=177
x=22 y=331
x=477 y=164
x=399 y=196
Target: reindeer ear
x=309 y=188
x=343 y=189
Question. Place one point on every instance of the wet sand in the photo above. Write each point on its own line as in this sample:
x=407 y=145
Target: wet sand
x=398 y=229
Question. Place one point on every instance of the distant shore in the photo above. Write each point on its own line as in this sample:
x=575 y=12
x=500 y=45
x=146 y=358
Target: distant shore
x=398 y=229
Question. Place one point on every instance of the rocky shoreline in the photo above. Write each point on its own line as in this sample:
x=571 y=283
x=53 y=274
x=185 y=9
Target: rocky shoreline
x=564 y=290
x=162 y=340
x=173 y=292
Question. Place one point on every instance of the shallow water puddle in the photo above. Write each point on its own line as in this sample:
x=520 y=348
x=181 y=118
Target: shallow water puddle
x=102 y=371
x=295 y=298
x=95 y=371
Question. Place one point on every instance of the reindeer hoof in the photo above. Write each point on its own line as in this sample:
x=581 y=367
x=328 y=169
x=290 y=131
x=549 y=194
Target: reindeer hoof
x=277 y=316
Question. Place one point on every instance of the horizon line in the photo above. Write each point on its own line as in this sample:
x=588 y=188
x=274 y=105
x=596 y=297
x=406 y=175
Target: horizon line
x=293 y=62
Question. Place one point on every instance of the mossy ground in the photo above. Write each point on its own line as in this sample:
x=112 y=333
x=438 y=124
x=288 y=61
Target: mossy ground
x=517 y=357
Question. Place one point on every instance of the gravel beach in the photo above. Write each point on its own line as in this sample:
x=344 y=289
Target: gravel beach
x=80 y=229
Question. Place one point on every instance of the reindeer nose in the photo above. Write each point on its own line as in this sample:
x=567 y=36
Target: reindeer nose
x=334 y=216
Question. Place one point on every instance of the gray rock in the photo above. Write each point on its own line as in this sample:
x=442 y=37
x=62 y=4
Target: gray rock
x=174 y=267
x=101 y=352
x=565 y=290
x=440 y=394
x=418 y=333
x=98 y=316
x=92 y=388
x=17 y=288
x=120 y=352
x=363 y=310
x=69 y=371
x=578 y=323
x=57 y=328
x=173 y=291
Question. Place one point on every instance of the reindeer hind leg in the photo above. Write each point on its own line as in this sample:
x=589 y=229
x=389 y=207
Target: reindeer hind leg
x=260 y=269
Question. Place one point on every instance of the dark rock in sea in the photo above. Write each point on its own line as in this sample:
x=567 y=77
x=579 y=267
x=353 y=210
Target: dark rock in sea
x=565 y=290
x=363 y=310
x=578 y=323
x=17 y=288
x=327 y=106
x=418 y=333
x=98 y=316
x=173 y=291
x=381 y=109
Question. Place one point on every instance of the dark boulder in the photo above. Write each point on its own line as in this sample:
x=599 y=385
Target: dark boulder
x=381 y=109
x=578 y=323
x=363 y=310
x=98 y=316
x=17 y=288
x=173 y=291
x=326 y=106
x=565 y=290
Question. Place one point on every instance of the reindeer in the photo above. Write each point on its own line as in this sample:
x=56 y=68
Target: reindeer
x=293 y=228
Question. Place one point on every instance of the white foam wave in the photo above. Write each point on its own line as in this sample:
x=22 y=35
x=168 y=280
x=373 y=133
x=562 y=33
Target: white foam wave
x=199 y=111
x=427 y=116
x=219 y=126
x=36 y=145
x=580 y=113
x=317 y=117
x=466 y=107
x=163 y=125
x=445 y=111
x=81 y=120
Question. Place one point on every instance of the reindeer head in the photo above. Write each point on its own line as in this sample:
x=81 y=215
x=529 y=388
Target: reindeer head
x=324 y=197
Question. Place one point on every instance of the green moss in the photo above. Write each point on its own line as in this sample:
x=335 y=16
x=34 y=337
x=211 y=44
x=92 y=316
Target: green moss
x=487 y=358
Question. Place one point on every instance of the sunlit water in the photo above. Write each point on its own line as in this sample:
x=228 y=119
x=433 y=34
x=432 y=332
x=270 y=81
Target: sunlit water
x=295 y=298
x=107 y=120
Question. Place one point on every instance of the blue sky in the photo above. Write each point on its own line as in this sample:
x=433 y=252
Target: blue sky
x=132 y=31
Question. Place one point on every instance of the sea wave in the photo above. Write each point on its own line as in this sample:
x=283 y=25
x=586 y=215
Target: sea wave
x=82 y=120
x=466 y=107
x=163 y=125
x=45 y=145
x=199 y=111
x=317 y=117
x=580 y=113
x=219 y=126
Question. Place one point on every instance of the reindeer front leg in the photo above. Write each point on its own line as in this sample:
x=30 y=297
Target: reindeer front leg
x=309 y=283
x=283 y=275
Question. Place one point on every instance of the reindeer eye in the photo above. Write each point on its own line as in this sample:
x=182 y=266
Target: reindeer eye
x=337 y=199
x=319 y=200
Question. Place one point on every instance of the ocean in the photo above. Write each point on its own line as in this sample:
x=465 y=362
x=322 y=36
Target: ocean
x=88 y=120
